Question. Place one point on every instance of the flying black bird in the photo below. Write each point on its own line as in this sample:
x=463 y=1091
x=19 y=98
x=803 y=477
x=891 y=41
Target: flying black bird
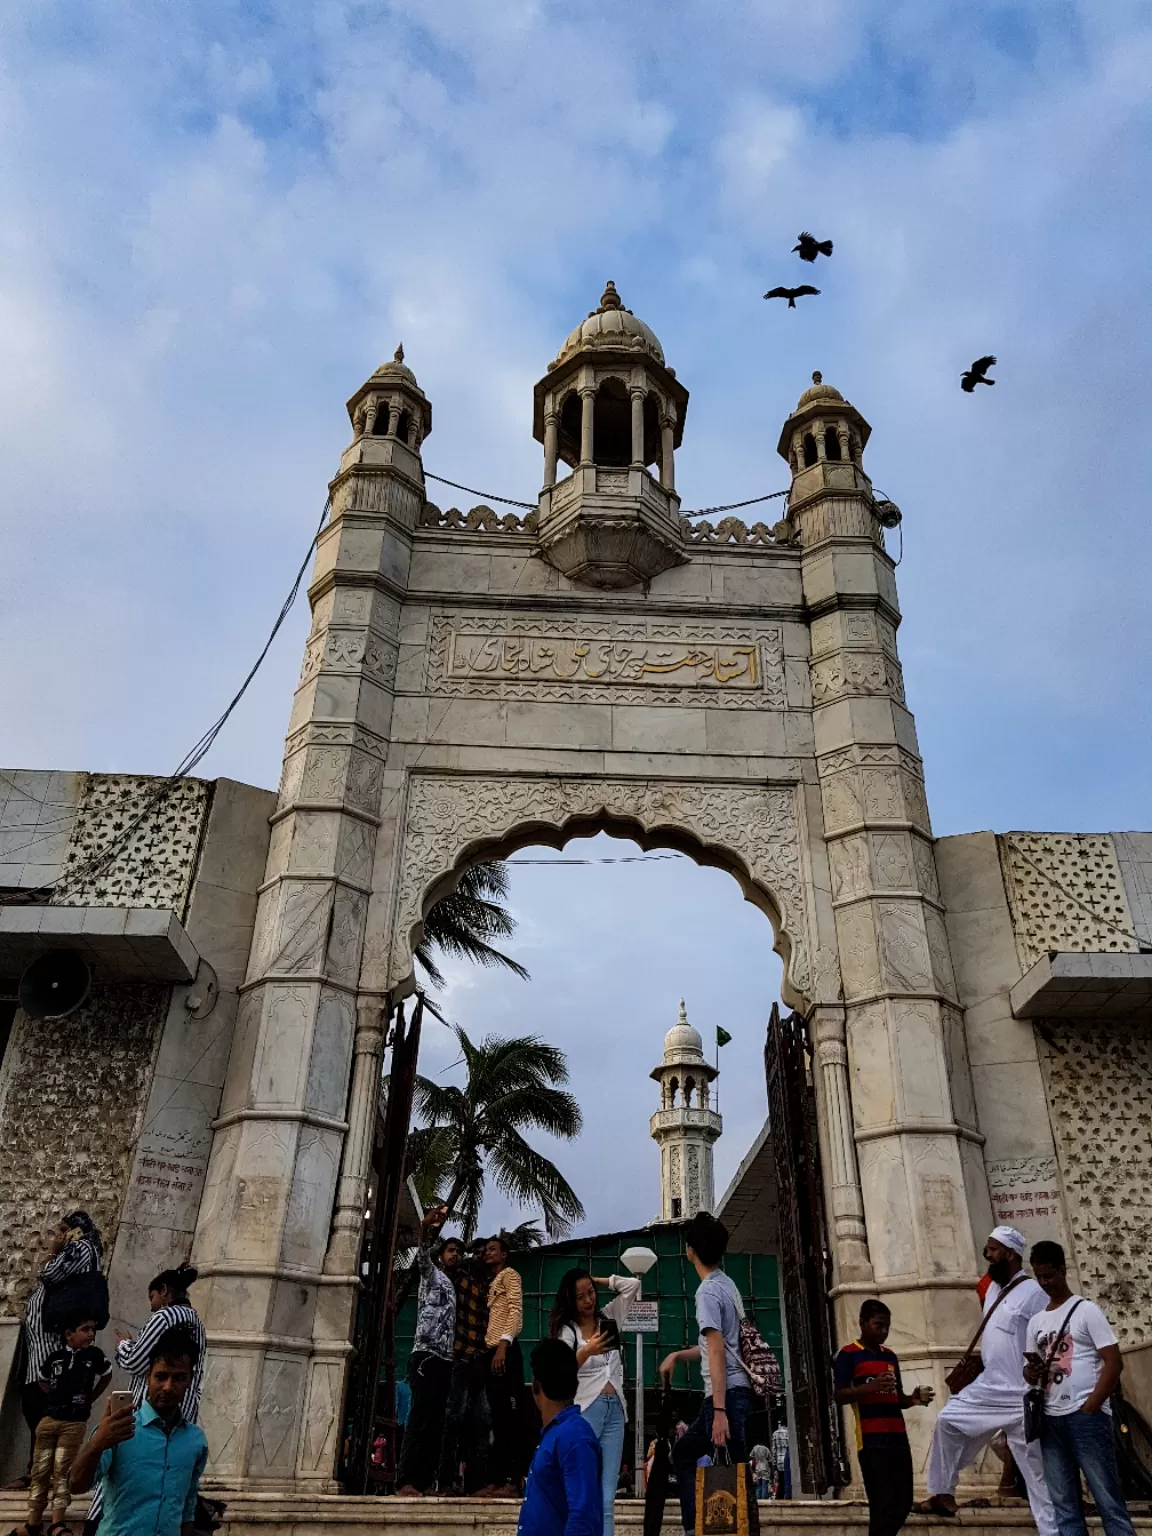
x=791 y=294
x=975 y=374
x=809 y=247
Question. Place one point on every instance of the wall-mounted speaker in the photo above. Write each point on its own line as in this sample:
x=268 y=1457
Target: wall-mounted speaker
x=54 y=985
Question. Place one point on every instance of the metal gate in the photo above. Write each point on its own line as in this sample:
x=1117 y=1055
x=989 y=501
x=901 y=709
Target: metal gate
x=805 y=1265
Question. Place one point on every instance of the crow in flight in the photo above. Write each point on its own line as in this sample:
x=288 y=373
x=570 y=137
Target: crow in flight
x=975 y=374
x=791 y=294
x=809 y=247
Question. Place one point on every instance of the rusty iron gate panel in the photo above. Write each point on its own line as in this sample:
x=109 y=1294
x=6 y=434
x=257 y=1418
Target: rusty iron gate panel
x=804 y=1260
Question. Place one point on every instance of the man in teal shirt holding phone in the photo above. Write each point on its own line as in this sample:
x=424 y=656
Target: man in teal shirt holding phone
x=149 y=1462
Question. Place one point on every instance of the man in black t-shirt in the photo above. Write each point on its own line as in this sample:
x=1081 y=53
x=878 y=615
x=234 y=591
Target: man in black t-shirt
x=72 y=1379
x=867 y=1377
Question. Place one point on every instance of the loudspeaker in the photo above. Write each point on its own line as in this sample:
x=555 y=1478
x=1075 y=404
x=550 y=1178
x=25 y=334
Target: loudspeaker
x=54 y=985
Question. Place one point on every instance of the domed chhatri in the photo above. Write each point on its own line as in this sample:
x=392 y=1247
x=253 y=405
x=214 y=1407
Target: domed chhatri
x=818 y=390
x=396 y=369
x=610 y=326
x=686 y=1126
x=391 y=406
x=611 y=408
x=682 y=1040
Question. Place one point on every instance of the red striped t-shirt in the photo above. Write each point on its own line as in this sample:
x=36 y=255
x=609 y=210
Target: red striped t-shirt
x=879 y=1418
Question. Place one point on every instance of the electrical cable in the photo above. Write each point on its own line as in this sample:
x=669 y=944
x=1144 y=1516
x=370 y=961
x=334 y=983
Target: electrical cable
x=1142 y=944
x=200 y=750
x=484 y=495
x=530 y=506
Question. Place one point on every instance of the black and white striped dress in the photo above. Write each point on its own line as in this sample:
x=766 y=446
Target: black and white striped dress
x=80 y=1256
x=133 y=1355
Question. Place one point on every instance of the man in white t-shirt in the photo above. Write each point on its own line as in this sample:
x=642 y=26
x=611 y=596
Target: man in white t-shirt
x=969 y=1422
x=1072 y=1351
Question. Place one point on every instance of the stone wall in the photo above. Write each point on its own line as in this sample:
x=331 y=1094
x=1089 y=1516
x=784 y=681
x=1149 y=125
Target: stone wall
x=1099 y=1079
x=73 y=1093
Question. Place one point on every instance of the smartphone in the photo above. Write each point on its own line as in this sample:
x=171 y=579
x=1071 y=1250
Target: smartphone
x=610 y=1328
x=119 y=1401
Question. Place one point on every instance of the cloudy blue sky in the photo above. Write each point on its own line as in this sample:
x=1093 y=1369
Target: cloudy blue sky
x=216 y=219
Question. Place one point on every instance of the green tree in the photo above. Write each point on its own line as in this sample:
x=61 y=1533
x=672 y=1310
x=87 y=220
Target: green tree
x=464 y=923
x=472 y=1133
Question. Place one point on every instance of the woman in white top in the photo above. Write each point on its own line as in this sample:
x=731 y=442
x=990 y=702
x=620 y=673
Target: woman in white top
x=595 y=1336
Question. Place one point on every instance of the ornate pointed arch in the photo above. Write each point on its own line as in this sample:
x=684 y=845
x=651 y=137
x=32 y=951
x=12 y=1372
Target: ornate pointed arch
x=751 y=830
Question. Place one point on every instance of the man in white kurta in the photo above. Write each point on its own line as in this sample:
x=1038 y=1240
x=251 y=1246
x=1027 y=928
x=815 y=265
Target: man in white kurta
x=970 y=1421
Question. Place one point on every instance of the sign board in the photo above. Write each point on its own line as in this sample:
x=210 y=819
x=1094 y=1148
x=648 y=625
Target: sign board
x=642 y=1317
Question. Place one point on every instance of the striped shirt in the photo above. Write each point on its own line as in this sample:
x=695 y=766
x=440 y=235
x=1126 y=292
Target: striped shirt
x=80 y=1256
x=879 y=1419
x=133 y=1355
x=505 y=1308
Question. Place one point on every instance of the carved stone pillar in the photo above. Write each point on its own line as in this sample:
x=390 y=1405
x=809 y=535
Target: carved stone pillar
x=277 y=1286
x=587 y=410
x=887 y=1070
x=637 y=428
x=667 y=461
x=841 y=1177
x=394 y=418
x=551 y=447
x=348 y=1217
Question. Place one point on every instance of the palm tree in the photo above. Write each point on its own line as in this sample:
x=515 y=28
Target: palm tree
x=473 y=1132
x=464 y=922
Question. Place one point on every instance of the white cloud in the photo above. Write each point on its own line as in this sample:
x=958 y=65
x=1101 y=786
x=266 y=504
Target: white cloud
x=215 y=223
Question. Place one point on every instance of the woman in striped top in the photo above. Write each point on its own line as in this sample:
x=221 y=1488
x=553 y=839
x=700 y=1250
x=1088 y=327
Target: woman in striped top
x=171 y=1308
x=76 y=1250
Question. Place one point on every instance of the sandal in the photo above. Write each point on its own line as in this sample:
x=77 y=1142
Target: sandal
x=932 y=1507
x=59 y=1528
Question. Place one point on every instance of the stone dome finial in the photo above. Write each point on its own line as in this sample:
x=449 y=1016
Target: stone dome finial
x=818 y=390
x=398 y=355
x=610 y=299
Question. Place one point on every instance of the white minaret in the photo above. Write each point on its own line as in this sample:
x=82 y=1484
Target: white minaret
x=685 y=1126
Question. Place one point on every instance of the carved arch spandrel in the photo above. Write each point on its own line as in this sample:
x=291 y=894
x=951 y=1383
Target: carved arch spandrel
x=750 y=830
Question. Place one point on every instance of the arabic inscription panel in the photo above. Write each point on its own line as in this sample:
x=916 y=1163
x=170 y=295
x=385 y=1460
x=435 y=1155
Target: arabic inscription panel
x=606 y=661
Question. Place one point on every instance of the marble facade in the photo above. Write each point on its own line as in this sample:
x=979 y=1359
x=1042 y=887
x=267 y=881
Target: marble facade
x=476 y=681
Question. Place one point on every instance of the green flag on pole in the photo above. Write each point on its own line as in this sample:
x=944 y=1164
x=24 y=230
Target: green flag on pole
x=722 y=1036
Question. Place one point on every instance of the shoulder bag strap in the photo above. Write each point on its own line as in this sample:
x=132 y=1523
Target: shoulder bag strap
x=1059 y=1339
x=987 y=1318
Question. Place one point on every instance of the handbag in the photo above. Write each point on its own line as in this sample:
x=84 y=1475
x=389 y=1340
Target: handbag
x=969 y=1366
x=726 y=1500
x=1034 y=1398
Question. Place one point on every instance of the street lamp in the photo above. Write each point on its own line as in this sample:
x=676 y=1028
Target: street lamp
x=638 y=1261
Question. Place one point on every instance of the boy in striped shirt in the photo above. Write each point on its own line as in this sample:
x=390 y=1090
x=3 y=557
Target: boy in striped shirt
x=867 y=1376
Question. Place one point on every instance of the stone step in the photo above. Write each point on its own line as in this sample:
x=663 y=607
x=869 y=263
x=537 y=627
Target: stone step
x=282 y=1514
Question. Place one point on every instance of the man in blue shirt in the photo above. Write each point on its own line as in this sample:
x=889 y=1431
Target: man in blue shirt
x=562 y=1496
x=148 y=1461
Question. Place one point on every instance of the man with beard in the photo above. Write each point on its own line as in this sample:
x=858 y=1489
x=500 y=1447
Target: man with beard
x=970 y=1421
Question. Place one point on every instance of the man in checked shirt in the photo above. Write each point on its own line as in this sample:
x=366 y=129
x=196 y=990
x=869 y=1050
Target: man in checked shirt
x=467 y=1421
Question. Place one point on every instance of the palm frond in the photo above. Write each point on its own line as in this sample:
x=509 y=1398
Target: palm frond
x=464 y=922
x=524 y=1175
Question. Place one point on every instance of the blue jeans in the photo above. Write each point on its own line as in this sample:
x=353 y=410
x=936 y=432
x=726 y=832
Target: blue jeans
x=605 y=1417
x=696 y=1441
x=1072 y=1443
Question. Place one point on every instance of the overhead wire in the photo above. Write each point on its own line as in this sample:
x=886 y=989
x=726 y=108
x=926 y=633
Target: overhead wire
x=196 y=754
x=530 y=506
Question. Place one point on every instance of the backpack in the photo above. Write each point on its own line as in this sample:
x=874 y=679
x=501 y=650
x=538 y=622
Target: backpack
x=76 y=1296
x=759 y=1360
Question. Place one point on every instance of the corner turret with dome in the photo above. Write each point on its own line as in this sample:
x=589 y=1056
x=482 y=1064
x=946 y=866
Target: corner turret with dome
x=685 y=1127
x=610 y=408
